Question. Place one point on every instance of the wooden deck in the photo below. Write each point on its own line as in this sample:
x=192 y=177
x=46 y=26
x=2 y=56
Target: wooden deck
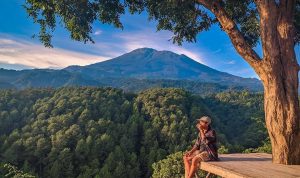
x=254 y=165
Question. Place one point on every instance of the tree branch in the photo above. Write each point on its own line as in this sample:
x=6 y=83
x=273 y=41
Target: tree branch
x=288 y=6
x=268 y=13
x=236 y=37
x=260 y=4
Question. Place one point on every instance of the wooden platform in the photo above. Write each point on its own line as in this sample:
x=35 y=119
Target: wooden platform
x=258 y=165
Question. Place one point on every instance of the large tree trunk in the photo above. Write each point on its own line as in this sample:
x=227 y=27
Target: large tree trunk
x=280 y=79
x=282 y=114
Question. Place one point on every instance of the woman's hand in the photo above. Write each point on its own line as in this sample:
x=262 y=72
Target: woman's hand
x=188 y=153
x=202 y=134
x=189 y=158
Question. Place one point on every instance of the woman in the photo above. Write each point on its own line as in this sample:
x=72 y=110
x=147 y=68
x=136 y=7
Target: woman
x=205 y=148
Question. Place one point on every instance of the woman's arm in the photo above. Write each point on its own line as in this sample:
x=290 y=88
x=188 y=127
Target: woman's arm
x=195 y=147
x=209 y=136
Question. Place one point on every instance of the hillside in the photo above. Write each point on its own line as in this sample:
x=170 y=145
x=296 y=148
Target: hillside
x=105 y=132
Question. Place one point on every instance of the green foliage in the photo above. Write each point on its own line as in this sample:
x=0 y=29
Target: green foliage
x=15 y=108
x=242 y=114
x=171 y=167
x=223 y=150
x=265 y=148
x=186 y=19
x=167 y=126
x=104 y=132
x=245 y=14
x=13 y=172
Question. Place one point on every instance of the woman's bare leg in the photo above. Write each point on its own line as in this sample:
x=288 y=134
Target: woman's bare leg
x=187 y=166
x=194 y=166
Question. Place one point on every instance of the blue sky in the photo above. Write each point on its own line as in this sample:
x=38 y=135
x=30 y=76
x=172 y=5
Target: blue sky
x=19 y=51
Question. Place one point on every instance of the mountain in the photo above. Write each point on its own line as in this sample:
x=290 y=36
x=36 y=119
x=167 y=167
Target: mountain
x=147 y=63
x=134 y=71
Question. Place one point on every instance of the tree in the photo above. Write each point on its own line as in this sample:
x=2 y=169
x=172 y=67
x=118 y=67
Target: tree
x=172 y=166
x=14 y=172
x=276 y=23
x=160 y=123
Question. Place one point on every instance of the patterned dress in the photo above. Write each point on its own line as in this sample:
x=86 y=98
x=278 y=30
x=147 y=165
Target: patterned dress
x=209 y=144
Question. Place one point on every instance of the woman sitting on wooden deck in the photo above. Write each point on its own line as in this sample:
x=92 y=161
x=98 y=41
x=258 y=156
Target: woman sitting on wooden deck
x=205 y=148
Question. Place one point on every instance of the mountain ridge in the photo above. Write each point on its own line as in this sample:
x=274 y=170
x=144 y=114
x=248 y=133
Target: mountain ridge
x=142 y=65
x=152 y=64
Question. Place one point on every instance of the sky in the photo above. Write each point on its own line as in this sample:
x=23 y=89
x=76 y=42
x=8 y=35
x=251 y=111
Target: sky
x=19 y=51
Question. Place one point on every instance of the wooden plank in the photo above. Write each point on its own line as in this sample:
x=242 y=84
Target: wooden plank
x=250 y=165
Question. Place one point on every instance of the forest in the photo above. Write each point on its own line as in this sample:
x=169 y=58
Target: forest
x=106 y=132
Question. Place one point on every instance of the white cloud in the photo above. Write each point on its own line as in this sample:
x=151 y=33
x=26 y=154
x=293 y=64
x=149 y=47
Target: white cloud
x=231 y=62
x=34 y=55
x=21 y=52
x=98 y=32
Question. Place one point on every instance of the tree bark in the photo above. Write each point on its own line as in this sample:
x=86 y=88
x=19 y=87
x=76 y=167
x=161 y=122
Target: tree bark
x=282 y=113
x=278 y=71
x=280 y=80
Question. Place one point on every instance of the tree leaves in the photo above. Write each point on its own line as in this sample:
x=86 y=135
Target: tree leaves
x=186 y=19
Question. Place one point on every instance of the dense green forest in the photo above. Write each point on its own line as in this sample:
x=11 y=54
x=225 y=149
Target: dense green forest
x=106 y=132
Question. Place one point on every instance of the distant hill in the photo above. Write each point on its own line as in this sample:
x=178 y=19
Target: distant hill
x=5 y=85
x=134 y=71
x=43 y=78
